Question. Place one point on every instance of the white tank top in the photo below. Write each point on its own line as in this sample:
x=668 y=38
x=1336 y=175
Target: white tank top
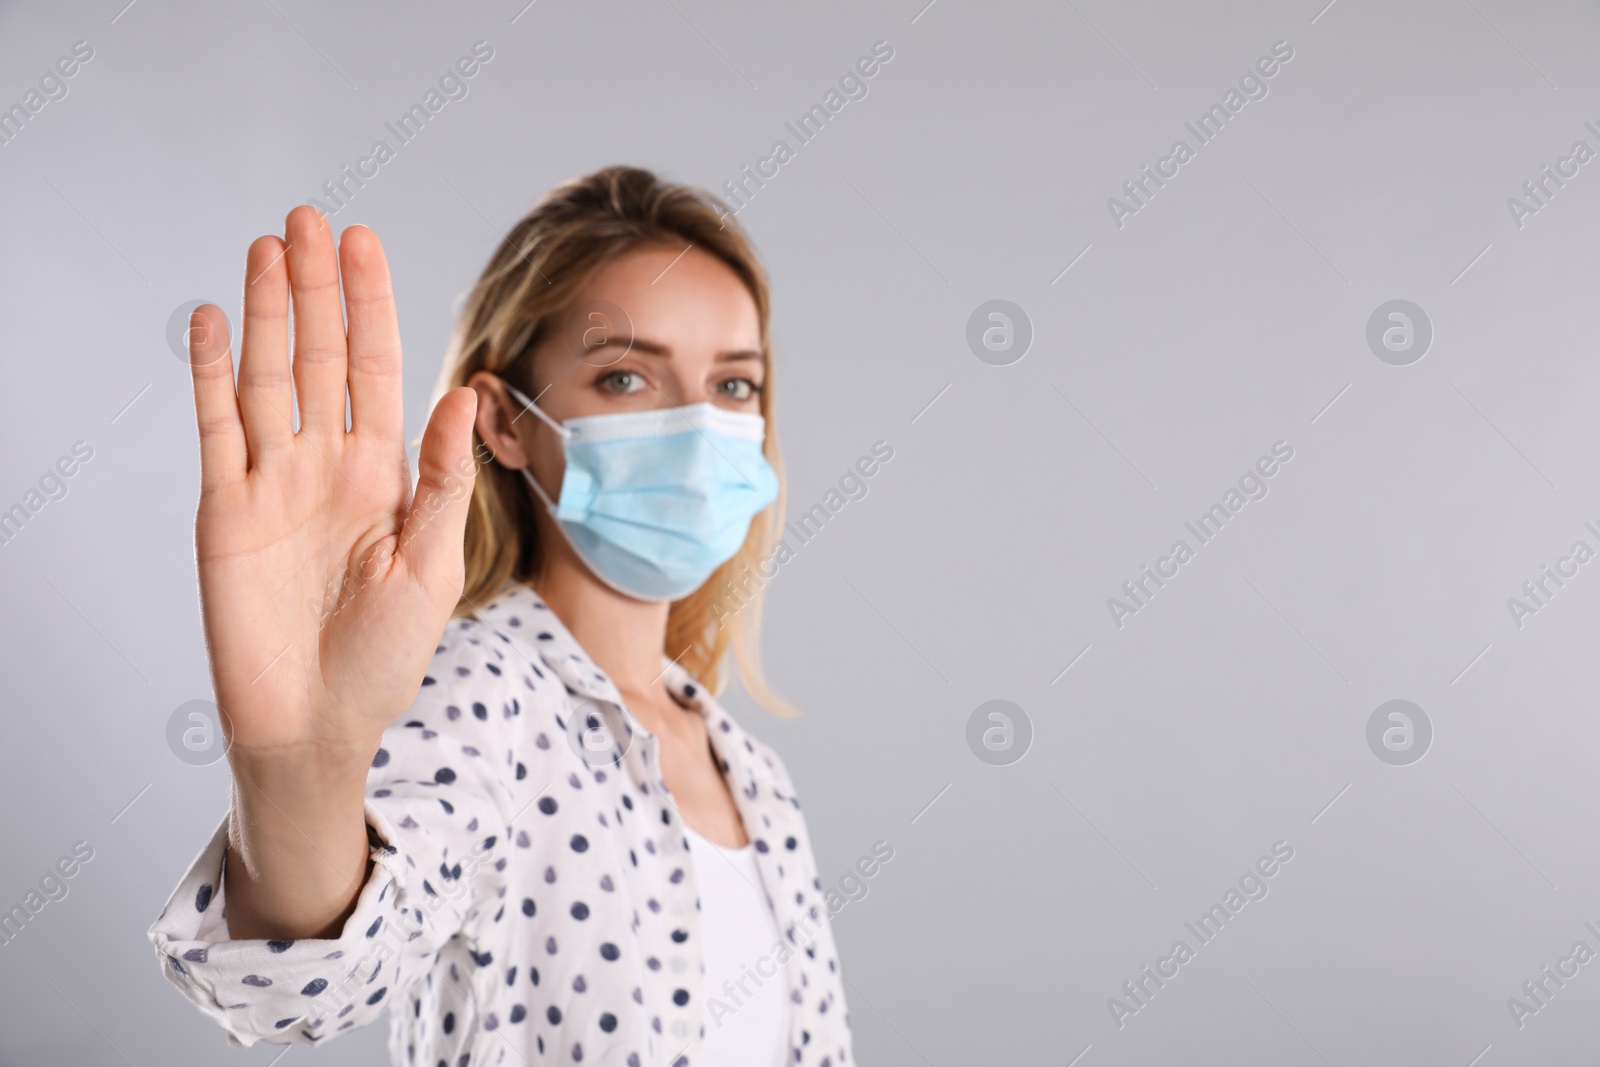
x=747 y=1025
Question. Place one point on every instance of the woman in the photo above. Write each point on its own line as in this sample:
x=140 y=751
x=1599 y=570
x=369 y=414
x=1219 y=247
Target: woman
x=478 y=771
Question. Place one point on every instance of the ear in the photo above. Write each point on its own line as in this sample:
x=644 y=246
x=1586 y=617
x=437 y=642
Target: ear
x=501 y=420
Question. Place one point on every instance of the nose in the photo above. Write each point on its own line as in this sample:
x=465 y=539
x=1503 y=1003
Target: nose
x=683 y=388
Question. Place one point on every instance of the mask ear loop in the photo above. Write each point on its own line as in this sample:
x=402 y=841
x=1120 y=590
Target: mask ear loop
x=566 y=435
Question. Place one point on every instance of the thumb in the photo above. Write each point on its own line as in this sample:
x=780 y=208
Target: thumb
x=431 y=542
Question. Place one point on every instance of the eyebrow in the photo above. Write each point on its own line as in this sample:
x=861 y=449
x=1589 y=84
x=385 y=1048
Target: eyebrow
x=655 y=348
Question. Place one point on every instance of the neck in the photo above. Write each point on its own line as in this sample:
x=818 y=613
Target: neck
x=622 y=635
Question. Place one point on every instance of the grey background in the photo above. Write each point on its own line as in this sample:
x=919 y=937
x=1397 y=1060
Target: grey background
x=1229 y=714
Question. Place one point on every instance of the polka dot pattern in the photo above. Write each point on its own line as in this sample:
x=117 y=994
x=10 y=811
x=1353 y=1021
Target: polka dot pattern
x=530 y=884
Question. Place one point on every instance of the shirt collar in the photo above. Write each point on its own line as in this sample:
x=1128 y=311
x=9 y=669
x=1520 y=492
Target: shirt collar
x=519 y=613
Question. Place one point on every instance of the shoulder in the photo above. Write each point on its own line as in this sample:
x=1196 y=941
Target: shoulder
x=475 y=655
x=479 y=662
x=760 y=759
x=480 y=684
x=762 y=752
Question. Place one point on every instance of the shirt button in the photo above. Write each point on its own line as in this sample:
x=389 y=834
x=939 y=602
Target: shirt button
x=678 y=965
x=680 y=1028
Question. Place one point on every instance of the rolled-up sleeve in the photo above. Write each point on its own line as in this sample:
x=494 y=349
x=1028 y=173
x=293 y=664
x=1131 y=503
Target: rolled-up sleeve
x=436 y=826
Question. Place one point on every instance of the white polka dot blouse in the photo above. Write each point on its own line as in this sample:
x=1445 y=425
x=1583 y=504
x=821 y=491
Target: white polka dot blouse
x=531 y=898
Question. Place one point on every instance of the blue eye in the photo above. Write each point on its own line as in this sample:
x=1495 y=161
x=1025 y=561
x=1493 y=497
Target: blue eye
x=623 y=381
x=739 y=388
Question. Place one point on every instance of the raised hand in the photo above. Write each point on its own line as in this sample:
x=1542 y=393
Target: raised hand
x=324 y=585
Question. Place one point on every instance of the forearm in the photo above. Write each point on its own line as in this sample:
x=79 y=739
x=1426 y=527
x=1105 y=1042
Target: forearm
x=297 y=845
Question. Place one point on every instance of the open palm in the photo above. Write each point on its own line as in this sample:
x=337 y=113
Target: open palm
x=324 y=584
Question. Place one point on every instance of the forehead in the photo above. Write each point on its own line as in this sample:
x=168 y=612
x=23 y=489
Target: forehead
x=685 y=299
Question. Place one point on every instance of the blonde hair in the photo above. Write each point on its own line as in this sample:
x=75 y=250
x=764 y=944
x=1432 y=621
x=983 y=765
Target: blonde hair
x=537 y=272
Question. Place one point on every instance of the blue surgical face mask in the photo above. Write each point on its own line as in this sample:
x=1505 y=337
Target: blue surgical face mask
x=654 y=501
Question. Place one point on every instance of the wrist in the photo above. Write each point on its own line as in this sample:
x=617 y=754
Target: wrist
x=316 y=767
x=298 y=851
x=287 y=795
